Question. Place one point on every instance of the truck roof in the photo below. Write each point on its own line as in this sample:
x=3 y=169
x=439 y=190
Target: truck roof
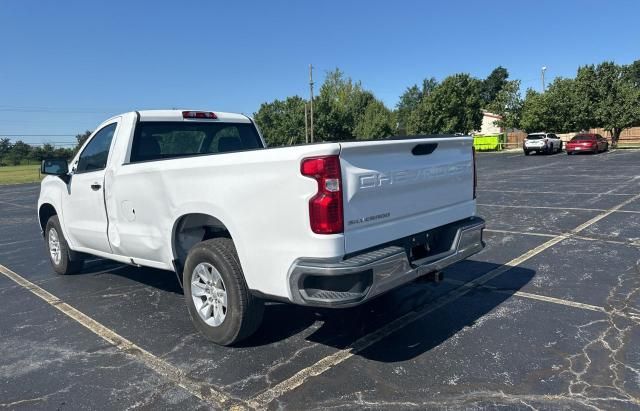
x=176 y=115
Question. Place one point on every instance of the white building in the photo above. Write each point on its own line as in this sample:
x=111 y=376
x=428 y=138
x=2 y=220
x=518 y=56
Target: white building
x=488 y=124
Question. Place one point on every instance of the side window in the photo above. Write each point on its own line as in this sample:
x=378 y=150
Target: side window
x=95 y=154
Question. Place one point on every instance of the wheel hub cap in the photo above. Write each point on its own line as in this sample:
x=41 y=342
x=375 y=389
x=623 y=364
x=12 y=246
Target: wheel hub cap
x=54 y=246
x=209 y=294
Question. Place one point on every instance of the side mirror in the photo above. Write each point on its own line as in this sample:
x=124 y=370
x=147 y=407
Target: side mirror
x=54 y=167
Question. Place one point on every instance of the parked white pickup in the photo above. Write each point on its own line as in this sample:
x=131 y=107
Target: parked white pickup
x=198 y=193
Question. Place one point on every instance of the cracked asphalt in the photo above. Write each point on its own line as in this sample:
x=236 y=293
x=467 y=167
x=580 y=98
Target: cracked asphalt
x=546 y=317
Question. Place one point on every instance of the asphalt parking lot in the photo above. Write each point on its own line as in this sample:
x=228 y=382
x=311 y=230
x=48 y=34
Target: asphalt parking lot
x=546 y=317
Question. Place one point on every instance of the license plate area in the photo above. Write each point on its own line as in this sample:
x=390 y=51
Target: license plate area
x=430 y=243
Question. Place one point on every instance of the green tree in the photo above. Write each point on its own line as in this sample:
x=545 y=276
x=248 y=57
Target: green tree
x=339 y=106
x=555 y=110
x=62 y=152
x=376 y=122
x=81 y=138
x=508 y=104
x=282 y=121
x=608 y=96
x=47 y=151
x=454 y=106
x=5 y=146
x=492 y=85
x=634 y=73
x=20 y=151
x=410 y=100
x=535 y=113
x=561 y=98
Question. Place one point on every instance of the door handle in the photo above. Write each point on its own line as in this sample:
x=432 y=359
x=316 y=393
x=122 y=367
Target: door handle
x=95 y=186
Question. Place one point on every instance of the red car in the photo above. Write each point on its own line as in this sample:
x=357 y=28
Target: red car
x=593 y=143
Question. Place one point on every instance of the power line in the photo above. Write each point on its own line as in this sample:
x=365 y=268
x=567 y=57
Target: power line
x=37 y=135
x=43 y=109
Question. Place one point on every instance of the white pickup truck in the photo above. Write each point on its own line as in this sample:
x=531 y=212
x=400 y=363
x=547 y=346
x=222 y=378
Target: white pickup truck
x=198 y=193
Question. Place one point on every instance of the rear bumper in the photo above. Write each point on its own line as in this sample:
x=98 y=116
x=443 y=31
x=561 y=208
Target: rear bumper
x=352 y=281
x=580 y=148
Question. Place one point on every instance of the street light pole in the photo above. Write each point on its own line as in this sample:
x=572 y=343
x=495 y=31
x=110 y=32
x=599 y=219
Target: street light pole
x=311 y=102
x=544 y=68
x=306 y=124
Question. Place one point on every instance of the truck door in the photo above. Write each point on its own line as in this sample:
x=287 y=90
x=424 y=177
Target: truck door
x=83 y=204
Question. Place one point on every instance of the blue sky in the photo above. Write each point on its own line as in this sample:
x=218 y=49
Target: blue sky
x=68 y=65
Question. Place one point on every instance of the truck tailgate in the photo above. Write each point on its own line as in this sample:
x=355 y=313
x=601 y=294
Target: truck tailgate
x=396 y=188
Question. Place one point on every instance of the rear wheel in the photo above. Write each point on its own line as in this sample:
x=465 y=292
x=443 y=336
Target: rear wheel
x=218 y=299
x=59 y=251
x=526 y=152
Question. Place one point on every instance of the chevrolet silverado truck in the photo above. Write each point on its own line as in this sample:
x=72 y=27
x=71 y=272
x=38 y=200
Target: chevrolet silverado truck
x=198 y=193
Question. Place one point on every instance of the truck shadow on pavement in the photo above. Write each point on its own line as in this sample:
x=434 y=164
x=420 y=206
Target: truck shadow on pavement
x=160 y=279
x=342 y=327
x=339 y=328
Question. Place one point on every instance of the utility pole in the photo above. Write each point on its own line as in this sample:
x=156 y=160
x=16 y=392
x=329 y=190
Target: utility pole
x=311 y=100
x=544 y=68
x=306 y=125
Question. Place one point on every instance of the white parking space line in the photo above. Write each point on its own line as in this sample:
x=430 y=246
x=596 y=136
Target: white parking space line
x=490 y=230
x=31 y=207
x=548 y=192
x=558 y=208
x=538 y=297
x=558 y=301
x=200 y=390
x=579 y=237
x=15 y=242
x=263 y=399
x=558 y=177
x=492 y=183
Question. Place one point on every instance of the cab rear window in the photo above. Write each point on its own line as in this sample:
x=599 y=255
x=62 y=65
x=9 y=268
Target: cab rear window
x=583 y=138
x=164 y=140
x=535 y=137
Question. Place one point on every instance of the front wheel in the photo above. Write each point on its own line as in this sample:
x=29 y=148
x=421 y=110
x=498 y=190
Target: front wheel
x=59 y=251
x=218 y=299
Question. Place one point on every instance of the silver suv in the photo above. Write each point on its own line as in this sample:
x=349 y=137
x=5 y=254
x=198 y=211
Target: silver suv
x=547 y=143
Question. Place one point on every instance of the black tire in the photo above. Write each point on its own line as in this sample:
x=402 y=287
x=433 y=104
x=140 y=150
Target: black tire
x=243 y=312
x=526 y=152
x=65 y=265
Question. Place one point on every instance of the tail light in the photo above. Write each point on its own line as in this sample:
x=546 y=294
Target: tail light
x=325 y=208
x=475 y=176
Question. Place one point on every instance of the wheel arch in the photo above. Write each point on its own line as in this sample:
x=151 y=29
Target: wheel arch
x=192 y=228
x=45 y=212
